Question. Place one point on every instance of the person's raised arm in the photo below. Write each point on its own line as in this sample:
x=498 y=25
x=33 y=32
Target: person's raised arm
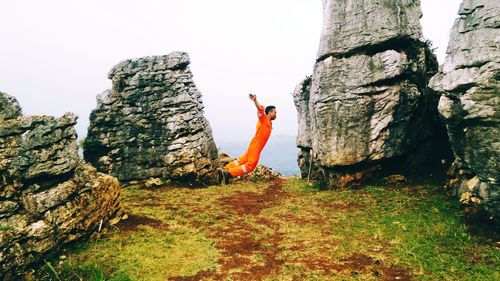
x=260 y=108
x=254 y=99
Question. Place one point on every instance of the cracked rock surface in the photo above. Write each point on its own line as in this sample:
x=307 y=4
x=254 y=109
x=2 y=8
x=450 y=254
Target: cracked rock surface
x=151 y=123
x=470 y=101
x=367 y=102
x=48 y=196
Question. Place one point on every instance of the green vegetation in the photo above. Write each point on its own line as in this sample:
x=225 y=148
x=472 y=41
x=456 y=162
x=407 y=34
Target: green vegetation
x=284 y=230
x=81 y=143
x=74 y=272
x=6 y=228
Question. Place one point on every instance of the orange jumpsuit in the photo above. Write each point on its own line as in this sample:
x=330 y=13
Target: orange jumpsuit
x=248 y=161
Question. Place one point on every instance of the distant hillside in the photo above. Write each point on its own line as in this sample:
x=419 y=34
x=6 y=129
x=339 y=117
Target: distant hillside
x=280 y=153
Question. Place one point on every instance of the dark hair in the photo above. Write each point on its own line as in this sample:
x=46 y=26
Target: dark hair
x=269 y=108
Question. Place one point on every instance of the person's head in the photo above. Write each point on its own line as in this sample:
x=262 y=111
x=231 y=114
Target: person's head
x=271 y=112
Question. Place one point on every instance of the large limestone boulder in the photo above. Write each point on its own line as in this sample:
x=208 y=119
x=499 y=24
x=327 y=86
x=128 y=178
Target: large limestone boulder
x=469 y=82
x=151 y=123
x=351 y=25
x=367 y=104
x=48 y=197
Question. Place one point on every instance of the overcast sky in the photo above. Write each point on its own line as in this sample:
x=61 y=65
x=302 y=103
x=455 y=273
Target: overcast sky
x=55 y=55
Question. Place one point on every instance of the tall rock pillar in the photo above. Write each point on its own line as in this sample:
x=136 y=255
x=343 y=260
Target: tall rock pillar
x=469 y=82
x=367 y=107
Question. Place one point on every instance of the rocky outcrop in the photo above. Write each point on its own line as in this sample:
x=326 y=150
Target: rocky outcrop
x=469 y=81
x=367 y=105
x=354 y=26
x=301 y=95
x=151 y=123
x=48 y=196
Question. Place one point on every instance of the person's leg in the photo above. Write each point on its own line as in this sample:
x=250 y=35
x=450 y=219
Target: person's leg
x=225 y=174
x=247 y=166
x=238 y=171
x=241 y=160
x=251 y=165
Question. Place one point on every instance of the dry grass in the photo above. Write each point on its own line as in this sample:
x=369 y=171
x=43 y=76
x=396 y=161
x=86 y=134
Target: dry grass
x=285 y=230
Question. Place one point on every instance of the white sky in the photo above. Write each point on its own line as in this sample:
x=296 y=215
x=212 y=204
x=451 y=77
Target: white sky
x=55 y=55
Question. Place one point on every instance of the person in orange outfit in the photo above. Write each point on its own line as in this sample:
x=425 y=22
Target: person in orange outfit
x=248 y=161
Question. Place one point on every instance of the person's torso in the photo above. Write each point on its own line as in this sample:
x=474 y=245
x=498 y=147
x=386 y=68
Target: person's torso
x=263 y=131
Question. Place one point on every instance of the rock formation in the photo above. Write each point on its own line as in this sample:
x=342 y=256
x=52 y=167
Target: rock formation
x=469 y=82
x=151 y=123
x=367 y=105
x=48 y=197
x=304 y=141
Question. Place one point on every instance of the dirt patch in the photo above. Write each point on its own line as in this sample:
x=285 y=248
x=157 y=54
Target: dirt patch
x=357 y=263
x=251 y=203
x=395 y=272
x=243 y=255
x=251 y=244
x=133 y=222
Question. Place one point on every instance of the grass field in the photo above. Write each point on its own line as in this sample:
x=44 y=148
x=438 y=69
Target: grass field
x=284 y=230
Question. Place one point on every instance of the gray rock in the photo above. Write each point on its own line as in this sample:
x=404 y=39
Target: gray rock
x=151 y=123
x=367 y=101
x=9 y=107
x=301 y=99
x=469 y=84
x=38 y=146
x=46 y=191
x=350 y=25
x=7 y=208
x=42 y=201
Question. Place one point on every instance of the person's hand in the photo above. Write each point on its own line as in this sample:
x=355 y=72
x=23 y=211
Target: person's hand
x=252 y=97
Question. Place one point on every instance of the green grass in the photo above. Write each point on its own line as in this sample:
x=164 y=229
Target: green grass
x=420 y=226
x=63 y=272
x=155 y=253
x=6 y=228
x=312 y=234
x=147 y=254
